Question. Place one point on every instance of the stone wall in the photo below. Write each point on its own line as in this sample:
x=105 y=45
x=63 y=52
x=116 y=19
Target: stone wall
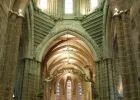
x=135 y=21
x=93 y=24
x=3 y=26
x=135 y=24
x=42 y=26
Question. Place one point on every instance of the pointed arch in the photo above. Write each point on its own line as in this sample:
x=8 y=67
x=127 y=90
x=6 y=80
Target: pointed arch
x=83 y=36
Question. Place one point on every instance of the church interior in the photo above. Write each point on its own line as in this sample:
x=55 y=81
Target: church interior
x=69 y=49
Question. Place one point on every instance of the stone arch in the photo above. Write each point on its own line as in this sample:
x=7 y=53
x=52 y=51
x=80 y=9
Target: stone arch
x=55 y=34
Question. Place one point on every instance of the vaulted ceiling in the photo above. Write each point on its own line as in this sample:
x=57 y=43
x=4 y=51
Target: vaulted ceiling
x=68 y=52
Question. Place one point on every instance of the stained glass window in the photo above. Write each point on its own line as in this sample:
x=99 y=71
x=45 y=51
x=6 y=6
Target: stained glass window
x=79 y=91
x=68 y=6
x=69 y=86
x=58 y=92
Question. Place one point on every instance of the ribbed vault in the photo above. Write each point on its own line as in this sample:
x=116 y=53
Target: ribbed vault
x=68 y=52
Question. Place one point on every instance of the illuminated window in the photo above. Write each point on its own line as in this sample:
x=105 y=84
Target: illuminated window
x=69 y=90
x=43 y=4
x=68 y=6
x=58 y=92
x=94 y=4
x=79 y=91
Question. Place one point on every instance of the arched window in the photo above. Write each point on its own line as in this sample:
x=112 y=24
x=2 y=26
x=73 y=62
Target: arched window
x=79 y=91
x=93 y=4
x=69 y=86
x=58 y=92
x=43 y=4
x=68 y=6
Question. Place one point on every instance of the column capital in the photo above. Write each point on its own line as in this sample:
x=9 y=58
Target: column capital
x=124 y=11
x=28 y=58
x=119 y=13
x=116 y=16
x=16 y=14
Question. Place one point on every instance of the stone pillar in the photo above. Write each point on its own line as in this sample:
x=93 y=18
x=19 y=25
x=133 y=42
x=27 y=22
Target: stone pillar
x=104 y=78
x=74 y=97
x=83 y=96
x=97 y=78
x=103 y=82
x=18 y=84
x=10 y=56
x=86 y=90
x=31 y=81
x=75 y=90
x=110 y=78
x=62 y=90
x=122 y=55
x=54 y=97
x=47 y=91
x=63 y=97
x=132 y=69
x=53 y=92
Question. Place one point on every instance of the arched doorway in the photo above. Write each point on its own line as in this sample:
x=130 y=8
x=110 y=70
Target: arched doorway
x=68 y=60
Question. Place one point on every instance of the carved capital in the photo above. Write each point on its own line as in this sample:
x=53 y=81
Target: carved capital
x=119 y=13
x=15 y=14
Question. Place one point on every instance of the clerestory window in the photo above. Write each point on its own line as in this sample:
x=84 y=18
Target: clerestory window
x=43 y=4
x=68 y=6
x=93 y=4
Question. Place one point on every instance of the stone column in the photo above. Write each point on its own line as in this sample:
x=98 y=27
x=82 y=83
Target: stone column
x=54 y=97
x=62 y=90
x=18 y=84
x=62 y=97
x=103 y=82
x=47 y=90
x=110 y=78
x=132 y=69
x=74 y=97
x=97 y=77
x=86 y=91
x=53 y=92
x=122 y=55
x=83 y=96
x=10 y=56
x=31 y=80
x=75 y=90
